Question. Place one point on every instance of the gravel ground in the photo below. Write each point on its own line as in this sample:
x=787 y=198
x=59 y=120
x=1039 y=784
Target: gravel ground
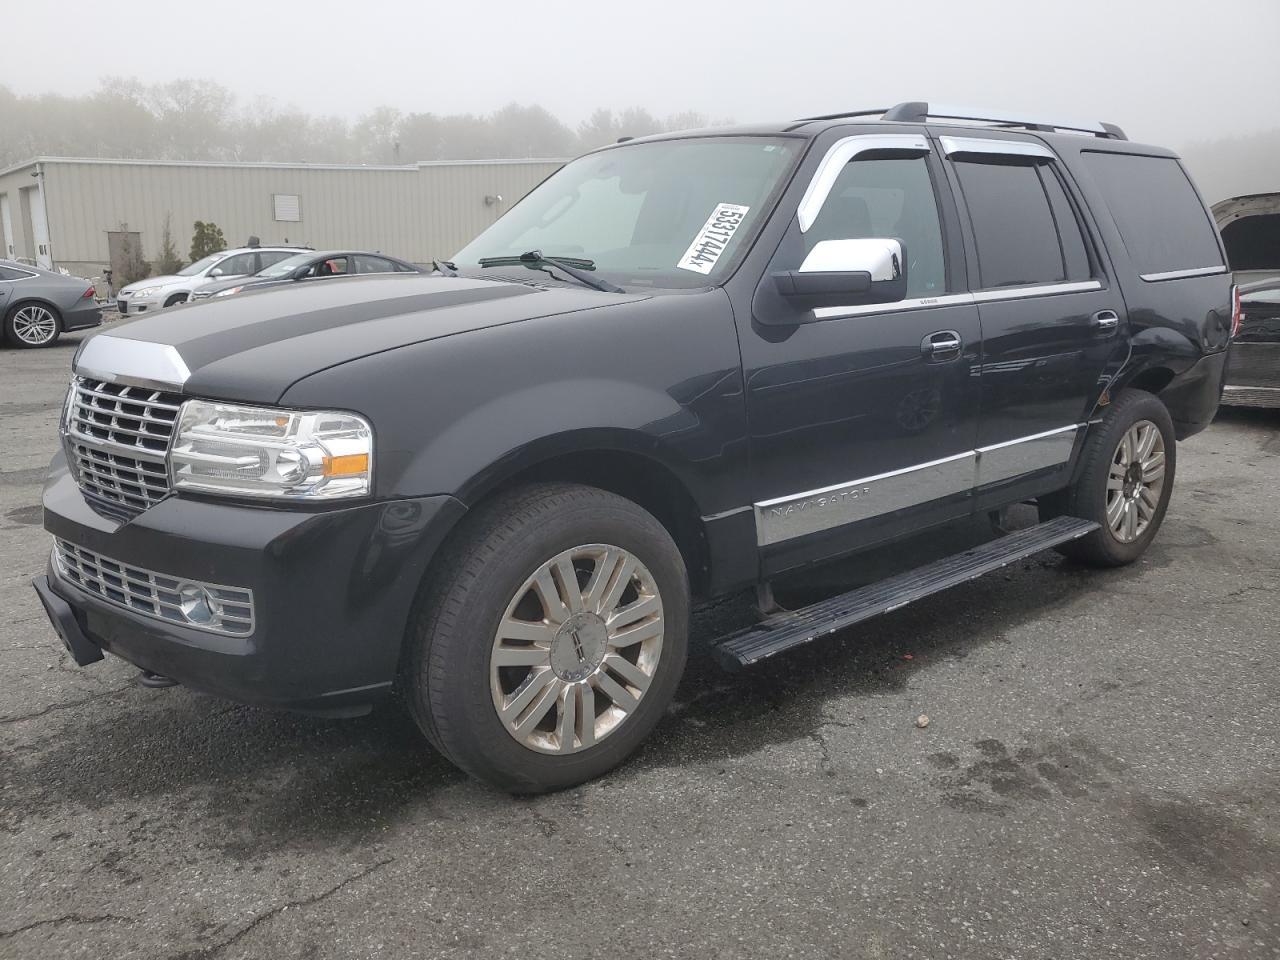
x=1100 y=776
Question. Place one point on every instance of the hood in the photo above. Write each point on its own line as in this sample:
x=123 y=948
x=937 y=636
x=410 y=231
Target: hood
x=252 y=348
x=154 y=282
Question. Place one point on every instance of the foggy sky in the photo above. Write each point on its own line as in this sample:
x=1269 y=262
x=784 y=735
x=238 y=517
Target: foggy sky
x=1172 y=72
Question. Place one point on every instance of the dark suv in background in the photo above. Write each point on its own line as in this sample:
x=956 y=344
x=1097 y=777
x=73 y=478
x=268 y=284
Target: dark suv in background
x=679 y=368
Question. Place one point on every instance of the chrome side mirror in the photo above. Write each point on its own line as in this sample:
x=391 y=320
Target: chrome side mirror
x=843 y=272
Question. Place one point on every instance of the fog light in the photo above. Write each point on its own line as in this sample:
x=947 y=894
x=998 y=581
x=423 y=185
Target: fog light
x=196 y=604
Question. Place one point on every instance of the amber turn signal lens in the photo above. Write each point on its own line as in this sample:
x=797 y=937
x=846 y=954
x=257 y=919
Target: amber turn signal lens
x=350 y=465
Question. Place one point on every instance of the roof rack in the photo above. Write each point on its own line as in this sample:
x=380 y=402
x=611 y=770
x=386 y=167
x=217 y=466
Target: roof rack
x=919 y=111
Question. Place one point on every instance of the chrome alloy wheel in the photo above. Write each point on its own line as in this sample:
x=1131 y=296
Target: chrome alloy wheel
x=577 y=648
x=35 y=325
x=1135 y=481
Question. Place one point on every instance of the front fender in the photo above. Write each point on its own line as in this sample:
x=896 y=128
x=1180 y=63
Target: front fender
x=658 y=377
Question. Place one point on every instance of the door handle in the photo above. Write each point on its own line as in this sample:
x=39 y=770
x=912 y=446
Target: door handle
x=1105 y=321
x=943 y=345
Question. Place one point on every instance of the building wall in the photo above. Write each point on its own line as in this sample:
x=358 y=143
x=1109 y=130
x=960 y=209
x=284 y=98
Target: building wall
x=12 y=184
x=418 y=212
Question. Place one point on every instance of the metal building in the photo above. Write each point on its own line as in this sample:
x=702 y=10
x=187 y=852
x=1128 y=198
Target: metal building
x=77 y=214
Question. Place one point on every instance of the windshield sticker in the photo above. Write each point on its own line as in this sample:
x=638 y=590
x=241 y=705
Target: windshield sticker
x=713 y=239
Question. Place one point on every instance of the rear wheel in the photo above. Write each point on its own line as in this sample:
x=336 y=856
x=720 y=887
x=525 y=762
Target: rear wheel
x=29 y=325
x=1125 y=481
x=551 y=640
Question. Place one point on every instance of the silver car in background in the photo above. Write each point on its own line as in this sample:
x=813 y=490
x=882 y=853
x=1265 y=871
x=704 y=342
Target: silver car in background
x=156 y=293
x=39 y=305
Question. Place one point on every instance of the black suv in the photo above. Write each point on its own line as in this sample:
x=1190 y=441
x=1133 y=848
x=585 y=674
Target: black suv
x=679 y=368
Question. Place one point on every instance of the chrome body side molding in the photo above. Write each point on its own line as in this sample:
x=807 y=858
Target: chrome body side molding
x=1183 y=274
x=136 y=362
x=954 y=299
x=841 y=152
x=1013 y=458
x=813 y=511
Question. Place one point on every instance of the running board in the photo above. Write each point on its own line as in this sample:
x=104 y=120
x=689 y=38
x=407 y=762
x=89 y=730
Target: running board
x=784 y=631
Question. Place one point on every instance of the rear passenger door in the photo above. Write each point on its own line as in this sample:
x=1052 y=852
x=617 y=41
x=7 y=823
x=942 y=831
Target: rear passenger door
x=1052 y=321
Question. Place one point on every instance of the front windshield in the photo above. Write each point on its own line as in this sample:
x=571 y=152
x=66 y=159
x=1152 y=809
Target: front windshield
x=673 y=213
x=200 y=266
x=286 y=266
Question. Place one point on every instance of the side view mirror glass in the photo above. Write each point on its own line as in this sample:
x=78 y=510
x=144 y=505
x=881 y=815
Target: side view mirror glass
x=845 y=272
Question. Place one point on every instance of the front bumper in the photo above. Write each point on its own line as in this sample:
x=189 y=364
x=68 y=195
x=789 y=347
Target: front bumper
x=332 y=591
x=128 y=306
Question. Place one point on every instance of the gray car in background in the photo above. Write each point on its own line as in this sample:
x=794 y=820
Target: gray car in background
x=39 y=305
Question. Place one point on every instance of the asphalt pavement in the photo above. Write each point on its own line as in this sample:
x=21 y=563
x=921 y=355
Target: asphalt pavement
x=1099 y=777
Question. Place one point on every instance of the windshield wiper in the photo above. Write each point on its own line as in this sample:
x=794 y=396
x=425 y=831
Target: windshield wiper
x=569 y=266
x=444 y=268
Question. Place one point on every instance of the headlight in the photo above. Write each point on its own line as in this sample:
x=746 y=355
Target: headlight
x=144 y=292
x=228 y=292
x=269 y=453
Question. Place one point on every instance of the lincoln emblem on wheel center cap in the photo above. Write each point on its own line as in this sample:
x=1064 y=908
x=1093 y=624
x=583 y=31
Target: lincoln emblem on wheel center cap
x=579 y=647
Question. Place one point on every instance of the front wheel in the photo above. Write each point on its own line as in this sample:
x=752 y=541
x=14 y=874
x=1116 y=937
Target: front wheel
x=551 y=638
x=29 y=325
x=1125 y=481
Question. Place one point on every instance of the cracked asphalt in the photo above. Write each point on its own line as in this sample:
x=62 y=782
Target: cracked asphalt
x=1100 y=776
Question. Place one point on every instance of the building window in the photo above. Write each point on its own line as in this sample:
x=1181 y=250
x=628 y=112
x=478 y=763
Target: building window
x=287 y=206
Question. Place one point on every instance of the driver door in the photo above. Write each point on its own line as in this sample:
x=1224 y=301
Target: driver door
x=864 y=419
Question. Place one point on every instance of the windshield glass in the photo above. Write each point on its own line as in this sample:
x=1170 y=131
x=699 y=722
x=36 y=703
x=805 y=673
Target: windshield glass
x=286 y=266
x=674 y=213
x=201 y=265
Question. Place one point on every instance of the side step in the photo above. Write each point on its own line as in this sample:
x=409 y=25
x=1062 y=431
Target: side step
x=783 y=631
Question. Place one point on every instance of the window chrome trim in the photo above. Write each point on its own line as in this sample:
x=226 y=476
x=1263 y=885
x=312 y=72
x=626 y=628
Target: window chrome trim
x=137 y=362
x=815 y=511
x=916 y=303
x=1183 y=274
x=956 y=299
x=1035 y=290
x=840 y=153
x=25 y=275
x=1008 y=148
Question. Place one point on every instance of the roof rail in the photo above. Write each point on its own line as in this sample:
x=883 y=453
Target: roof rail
x=919 y=111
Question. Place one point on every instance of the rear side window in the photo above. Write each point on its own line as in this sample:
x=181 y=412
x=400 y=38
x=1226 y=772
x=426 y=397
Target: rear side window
x=1023 y=225
x=7 y=274
x=1161 y=220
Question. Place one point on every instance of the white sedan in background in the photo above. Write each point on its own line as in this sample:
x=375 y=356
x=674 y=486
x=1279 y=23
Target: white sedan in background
x=156 y=293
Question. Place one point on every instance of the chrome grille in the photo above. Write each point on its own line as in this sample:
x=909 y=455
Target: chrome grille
x=151 y=593
x=1253 y=364
x=118 y=437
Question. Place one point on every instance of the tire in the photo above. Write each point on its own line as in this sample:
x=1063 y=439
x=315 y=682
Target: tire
x=1134 y=415
x=176 y=299
x=482 y=605
x=31 y=325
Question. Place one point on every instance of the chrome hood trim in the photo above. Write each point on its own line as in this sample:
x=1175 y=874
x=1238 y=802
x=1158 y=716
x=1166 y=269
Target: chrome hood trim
x=137 y=362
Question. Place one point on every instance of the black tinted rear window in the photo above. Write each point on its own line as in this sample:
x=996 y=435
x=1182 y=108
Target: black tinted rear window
x=1161 y=220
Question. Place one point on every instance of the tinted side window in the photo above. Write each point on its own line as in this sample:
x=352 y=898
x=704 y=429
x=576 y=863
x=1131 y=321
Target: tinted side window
x=1013 y=224
x=368 y=264
x=269 y=258
x=7 y=274
x=1161 y=220
x=239 y=265
x=890 y=197
x=1075 y=255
